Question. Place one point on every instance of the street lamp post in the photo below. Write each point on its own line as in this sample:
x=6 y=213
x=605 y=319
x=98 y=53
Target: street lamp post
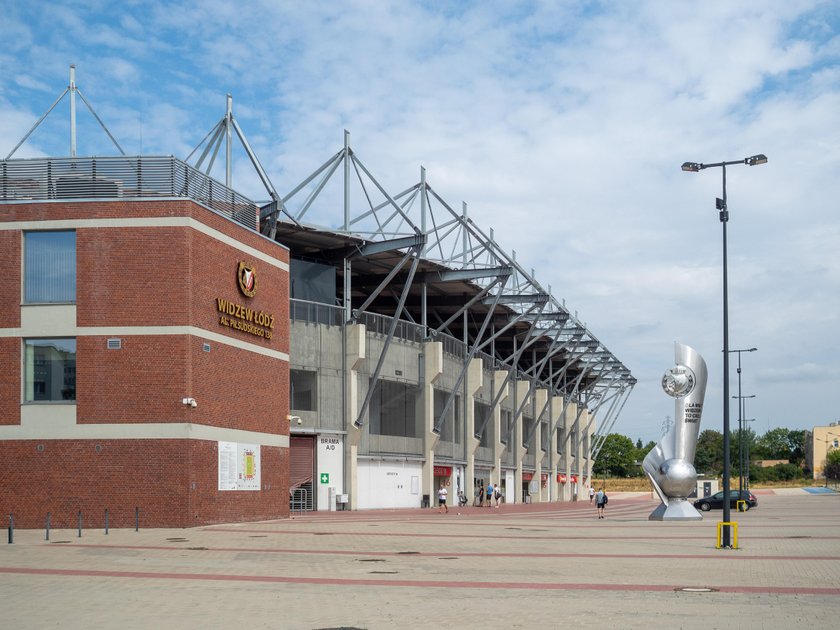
x=746 y=456
x=694 y=167
x=740 y=420
x=742 y=411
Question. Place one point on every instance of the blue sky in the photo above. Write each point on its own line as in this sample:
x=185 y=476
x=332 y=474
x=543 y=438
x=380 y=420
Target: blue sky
x=562 y=124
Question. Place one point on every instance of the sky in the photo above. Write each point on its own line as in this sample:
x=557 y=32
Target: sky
x=562 y=124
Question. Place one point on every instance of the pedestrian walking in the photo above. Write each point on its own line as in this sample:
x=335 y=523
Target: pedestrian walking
x=497 y=493
x=600 y=502
x=489 y=494
x=591 y=494
x=442 y=499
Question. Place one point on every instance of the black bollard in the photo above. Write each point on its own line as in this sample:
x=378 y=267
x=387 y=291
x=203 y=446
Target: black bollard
x=47 y=537
x=80 y=523
x=11 y=528
x=106 y=522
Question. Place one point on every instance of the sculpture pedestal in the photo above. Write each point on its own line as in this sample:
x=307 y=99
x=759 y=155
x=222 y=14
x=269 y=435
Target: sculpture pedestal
x=676 y=510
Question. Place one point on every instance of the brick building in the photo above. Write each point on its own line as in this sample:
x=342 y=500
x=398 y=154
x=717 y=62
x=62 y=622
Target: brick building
x=144 y=340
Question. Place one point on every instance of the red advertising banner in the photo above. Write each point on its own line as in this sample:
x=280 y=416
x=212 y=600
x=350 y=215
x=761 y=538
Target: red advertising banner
x=561 y=477
x=527 y=476
x=443 y=471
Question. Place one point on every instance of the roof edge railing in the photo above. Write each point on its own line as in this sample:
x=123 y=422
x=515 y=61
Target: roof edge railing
x=40 y=179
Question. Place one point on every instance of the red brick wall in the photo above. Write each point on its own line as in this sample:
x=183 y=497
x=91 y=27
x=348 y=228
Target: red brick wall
x=10 y=296
x=167 y=276
x=173 y=482
x=132 y=276
x=10 y=373
x=10 y=273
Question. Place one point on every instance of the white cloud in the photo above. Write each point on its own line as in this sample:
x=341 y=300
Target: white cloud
x=562 y=125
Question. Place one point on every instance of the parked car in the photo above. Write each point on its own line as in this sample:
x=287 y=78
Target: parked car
x=716 y=500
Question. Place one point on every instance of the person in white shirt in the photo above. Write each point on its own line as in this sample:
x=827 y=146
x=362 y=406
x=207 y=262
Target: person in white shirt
x=442 y=499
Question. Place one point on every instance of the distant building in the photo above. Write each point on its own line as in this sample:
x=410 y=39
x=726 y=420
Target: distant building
x=818 y=443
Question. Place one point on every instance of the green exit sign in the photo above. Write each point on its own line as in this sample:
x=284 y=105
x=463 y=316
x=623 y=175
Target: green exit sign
x=325 y=477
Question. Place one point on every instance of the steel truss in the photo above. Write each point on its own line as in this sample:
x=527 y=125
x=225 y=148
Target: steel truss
x=503 y=310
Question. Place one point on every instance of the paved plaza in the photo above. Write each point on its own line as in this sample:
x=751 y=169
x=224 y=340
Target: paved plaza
x=518 y=566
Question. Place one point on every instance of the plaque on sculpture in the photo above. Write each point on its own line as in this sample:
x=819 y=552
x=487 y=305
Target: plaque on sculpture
x=670 y=464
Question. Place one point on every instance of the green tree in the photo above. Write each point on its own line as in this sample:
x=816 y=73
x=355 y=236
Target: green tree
x=781 y=443
x=616 y=457
x=708 y=458
x=832 y=466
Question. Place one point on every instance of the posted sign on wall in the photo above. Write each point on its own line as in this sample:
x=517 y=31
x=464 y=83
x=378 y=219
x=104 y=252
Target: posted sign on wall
x=239 y=466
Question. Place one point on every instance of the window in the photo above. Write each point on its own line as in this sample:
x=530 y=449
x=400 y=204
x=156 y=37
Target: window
x=393 y=410
x=482 y=412
x=49 y=267
x=451 y=429
x=506 y=428
x=527 y=425
x=50 y=370
x=304 y=386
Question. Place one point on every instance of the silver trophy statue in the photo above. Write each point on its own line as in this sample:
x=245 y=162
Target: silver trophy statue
x=670 y=464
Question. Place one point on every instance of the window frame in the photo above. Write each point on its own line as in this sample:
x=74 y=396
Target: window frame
x=28 y=375
x=26 y=285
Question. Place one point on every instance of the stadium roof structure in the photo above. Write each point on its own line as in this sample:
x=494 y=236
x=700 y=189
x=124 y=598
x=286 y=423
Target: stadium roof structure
x=410 y=256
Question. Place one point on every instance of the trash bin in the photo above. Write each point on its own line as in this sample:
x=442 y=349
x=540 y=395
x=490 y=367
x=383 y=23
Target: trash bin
x=425 y=500
x=341 y=501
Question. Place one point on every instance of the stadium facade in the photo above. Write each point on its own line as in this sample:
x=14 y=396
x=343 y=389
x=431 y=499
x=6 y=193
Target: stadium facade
x=176 y=352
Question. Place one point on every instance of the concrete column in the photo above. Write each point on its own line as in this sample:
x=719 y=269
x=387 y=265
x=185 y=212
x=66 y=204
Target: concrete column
x=586 y=446
x=354 y=360
x=555 y=428
x=569 y=448
x=432 y=370
x=540 y=398
x=475 y=380
x=498 y=446
x=578 y=451
x=521 y=392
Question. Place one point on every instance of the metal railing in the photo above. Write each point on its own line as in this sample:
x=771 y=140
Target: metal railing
x=379 y=324
x=315 y=312
x=120 y=178
x=301 y=499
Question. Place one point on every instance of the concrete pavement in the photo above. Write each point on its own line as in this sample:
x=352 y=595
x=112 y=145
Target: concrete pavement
x=519 y=566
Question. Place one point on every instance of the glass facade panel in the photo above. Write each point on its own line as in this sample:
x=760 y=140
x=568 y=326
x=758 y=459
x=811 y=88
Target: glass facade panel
x=304 y=390
x=507 y=417
x=452 y=430
x=49 y=267
x=393 y=409
x=481 y=412
x=50 y=370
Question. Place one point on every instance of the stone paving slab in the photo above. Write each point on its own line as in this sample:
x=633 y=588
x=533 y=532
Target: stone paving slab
x=525 y=566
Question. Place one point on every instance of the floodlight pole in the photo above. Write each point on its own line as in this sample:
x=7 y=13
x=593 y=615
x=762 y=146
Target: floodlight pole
x=72 y=89
x=740 y=420
x=724 y=219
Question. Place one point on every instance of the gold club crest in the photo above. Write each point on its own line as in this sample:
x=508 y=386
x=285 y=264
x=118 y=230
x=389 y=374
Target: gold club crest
x=247 y=276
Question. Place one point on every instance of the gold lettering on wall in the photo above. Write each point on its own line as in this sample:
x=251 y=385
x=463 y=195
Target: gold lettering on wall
x=248 y=320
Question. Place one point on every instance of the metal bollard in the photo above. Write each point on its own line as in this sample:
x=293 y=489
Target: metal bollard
x=11 y=528
x=106 y=522
x=80 y=523
x=136 y=519
x=47 y=537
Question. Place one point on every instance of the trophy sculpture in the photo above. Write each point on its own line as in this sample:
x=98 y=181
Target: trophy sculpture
x=670 y=464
